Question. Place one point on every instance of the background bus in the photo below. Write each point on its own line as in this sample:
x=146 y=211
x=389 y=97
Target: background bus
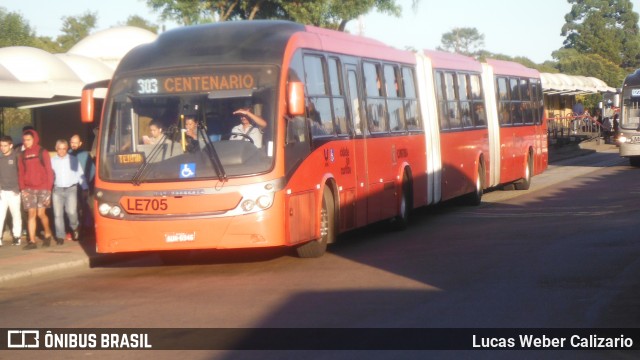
x=629 y=136
x=356 y=132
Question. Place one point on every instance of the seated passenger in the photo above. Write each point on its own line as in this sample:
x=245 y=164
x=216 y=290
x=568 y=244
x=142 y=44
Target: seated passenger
x=193 y=141
x=156 y=131
x=247 y=128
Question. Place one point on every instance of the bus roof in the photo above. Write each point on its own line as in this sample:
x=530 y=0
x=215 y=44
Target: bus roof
x=452 y=61
x=249 y=42
x=230 y=42
x=345 y=43
x=502 y=67
x=632 y=79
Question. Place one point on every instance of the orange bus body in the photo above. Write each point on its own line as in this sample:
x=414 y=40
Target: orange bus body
x=317 y=185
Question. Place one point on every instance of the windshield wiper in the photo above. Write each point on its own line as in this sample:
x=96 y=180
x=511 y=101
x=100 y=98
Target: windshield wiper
x=142 y=169
x=213 y=155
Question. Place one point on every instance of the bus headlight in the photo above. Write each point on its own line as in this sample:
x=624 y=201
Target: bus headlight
x=622 y=139
x=258 y=197
x=115 y=211
x=104 y=209
x=264 y=202
x=248 y=205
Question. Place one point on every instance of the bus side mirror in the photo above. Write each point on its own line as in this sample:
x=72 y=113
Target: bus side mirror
x=296 y=98
x=87 y=106
x=87 y=102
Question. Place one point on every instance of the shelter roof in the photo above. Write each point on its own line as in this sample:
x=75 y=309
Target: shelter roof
x=562 y=84
x=32 y=77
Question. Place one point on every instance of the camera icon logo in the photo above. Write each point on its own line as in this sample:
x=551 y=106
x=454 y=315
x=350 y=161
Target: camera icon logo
x=23 y=339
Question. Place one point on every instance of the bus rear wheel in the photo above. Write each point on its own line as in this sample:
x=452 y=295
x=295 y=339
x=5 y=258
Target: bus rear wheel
x=401 y=221
x=318 y=247
x=475 y=198
x=525 y=182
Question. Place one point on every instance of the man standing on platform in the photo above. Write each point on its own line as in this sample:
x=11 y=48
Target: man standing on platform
x=9 y=188
x=68 y=176
x=88 y=167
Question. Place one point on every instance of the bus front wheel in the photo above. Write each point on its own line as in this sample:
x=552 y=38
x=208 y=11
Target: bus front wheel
x=318 y=247
x=634 y=161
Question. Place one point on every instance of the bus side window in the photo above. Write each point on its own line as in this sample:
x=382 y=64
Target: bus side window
x=394 y=101
x=352 y=79
x=318 y=99
x=337 y=96
x=412 y=114
x=504 y=108
x=376 y=104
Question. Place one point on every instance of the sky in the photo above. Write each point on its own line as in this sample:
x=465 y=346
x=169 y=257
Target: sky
x=529 y=28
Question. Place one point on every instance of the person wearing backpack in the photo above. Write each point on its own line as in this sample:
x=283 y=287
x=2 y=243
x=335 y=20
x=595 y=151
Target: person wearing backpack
x=35 y=177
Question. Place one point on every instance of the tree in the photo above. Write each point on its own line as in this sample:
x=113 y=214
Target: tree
x=608 y=28
x=335 y=14
x=14 y=30
x=326 y=13
x=76 y=28
x=140 y=22
x=47 y=44
x=572 y=62
x=466 y=41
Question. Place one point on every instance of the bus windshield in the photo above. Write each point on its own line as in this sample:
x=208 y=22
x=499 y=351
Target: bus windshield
x=189 y=124
x=631 y=118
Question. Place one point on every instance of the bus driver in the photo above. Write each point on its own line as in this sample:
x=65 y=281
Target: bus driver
x=247 y=128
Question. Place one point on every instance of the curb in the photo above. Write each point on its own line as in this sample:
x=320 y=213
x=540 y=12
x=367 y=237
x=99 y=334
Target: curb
x=44 y=269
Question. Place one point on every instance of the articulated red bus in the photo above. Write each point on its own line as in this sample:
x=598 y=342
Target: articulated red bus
x=344 y=131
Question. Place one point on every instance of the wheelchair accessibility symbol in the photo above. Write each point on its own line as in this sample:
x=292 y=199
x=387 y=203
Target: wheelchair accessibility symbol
x=187 y=170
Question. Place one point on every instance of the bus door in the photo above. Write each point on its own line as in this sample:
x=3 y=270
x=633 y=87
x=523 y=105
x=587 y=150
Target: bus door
x=359 y=157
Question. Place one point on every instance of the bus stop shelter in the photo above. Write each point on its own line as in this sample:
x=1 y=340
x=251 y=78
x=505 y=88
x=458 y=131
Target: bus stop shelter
x=560 y=91
x=51 y=84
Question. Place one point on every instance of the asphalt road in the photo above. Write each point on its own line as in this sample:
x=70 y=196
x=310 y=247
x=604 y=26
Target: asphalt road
x=563 y=254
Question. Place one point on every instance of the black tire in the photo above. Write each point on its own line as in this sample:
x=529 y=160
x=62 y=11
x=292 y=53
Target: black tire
x=475 y=198
x=316 y=248
x=634 y=161
x=525 y=182
x=401 y=221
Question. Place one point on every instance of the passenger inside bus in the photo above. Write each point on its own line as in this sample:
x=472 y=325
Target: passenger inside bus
x=250 y=127
x=191 y=127
x=480 y=115
x=192 y=139
x=157 y=132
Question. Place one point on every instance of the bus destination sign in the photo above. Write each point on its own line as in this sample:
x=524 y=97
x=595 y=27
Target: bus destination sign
x=194 y=83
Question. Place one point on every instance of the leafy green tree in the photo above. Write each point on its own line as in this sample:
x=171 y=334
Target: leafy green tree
x=572 y=62
x=335 y=14
x=137 y=21
x=76 y=28
x=14 y=30
x=326 y=13
x=466 y=41
x=608 y=28
x=48 y=44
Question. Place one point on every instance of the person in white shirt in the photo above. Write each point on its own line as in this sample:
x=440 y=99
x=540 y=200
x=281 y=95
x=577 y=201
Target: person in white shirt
x=247 y=128
x=68 y=176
